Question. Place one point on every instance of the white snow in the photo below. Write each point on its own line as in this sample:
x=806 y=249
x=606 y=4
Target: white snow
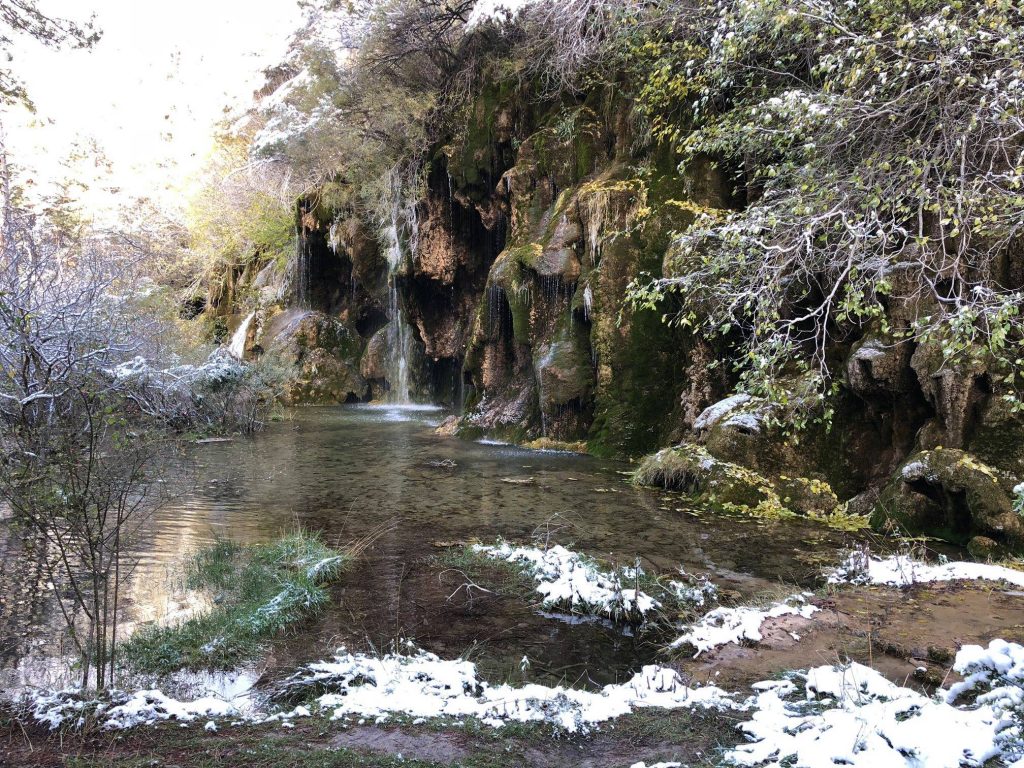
x=913 y=470
x=423 y=685
x=902 y=571
x=738 y=625
x=829 y=715
x=567 y=579
x=125 y=710
x=656 y=765
x=851 y=715
x=696 y=591
x=715 y=413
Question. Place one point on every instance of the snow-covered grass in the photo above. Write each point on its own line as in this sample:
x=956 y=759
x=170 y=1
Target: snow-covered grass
x=851 y=715
x=741 y=625
x=572 y=582
x=826 y=716
x=903 y=570
x=261 y=590
x=421 y=685
x=119 y=710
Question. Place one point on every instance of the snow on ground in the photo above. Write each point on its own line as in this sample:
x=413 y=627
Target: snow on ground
x=830 y=715
x=738 y=625
x=124 y=710
x=851 y=715
x=569 y=580
x=902 y=571
x=423 y=685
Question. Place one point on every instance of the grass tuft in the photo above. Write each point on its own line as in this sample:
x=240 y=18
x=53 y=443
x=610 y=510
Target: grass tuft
x=259 y=591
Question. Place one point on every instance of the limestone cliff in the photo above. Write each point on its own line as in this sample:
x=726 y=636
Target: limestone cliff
x=503 y=291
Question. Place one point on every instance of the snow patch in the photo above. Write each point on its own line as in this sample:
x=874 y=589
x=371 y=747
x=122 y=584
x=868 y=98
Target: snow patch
x=715 y=413
x=421 y=685
x=723 y=626
x=902 y=571
x=124 y=710
x=851 y=715
x=567 y=579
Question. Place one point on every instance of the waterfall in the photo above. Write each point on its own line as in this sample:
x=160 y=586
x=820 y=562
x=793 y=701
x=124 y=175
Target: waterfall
x=401 y=220
x=303 y=287
x=237 y=345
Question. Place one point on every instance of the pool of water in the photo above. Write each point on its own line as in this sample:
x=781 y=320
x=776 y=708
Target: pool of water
x=346 y=471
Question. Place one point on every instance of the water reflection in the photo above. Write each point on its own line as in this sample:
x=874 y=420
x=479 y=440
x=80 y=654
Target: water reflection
x=344 y=471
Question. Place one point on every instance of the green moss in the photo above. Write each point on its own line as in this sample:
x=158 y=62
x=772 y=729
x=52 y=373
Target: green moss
x=951 y=495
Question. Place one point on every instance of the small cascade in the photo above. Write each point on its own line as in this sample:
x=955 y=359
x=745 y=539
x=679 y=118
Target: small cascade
x=237 y=345
x=303 y=282
x=401 y=221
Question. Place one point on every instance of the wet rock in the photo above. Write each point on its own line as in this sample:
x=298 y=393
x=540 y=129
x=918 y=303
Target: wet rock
x=323 y=355
x=950 y=494
x=449 y=427
x=876 y=367
x=564 y=372
x=374 y=363
x=956 y=391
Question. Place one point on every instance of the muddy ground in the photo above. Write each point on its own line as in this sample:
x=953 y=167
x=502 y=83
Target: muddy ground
x=910 y=635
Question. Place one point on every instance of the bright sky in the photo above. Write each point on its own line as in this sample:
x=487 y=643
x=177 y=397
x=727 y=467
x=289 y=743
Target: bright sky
x=149 y=93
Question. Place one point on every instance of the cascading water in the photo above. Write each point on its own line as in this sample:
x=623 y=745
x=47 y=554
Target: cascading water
x=401 y=220
x=237 y=345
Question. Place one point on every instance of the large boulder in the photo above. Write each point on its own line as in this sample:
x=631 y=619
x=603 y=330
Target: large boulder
x=956 y=390
x=691 y=469
x=323 y=354
x=876 y=367
x=950 y=494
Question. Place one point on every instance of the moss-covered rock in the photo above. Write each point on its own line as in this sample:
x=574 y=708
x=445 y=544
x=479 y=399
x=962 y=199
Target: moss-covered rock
x=323 y=354
x=956 y=390
x=997 y=436
x=952 y=495
x=806 y=495
x=691 y=469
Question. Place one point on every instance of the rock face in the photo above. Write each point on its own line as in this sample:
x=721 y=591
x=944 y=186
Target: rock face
x=949 y=493
x=509 y=301
x=321 y=351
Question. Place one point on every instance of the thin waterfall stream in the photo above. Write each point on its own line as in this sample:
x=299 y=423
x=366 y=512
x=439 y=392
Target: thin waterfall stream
x=401 y=226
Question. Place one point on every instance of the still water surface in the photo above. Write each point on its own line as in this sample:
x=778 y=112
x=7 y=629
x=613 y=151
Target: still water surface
x=344 y=471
